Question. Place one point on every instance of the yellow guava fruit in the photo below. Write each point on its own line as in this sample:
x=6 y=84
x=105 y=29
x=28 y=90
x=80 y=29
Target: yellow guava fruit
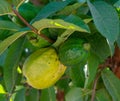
x=42 y=68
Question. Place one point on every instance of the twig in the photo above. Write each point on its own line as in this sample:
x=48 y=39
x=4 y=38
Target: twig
x=94 y=86
x=30 y=26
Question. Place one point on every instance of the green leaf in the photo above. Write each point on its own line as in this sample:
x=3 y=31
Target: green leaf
x=117 y=4
x=4 y=34
x=77 y=21
x=102 y=95
x=32 y=95
x=112 y=84
x=69 y=9
x=106 y=19
x=93 y=62
x=2 y=58
x=58 y=23
x=63 y=83
x=8 y=25
x=48 y=94
x=77 y=75
x=99 y=46
x=3 y=97
x=11 y=64
x=75 y=94
x=50 y=9
x=8 y=41
x=20 y=93
x=5 y=8
x=81 y=1
x=112 y=1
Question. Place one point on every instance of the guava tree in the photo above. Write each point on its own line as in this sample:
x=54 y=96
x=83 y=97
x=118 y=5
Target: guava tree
x=59 y=50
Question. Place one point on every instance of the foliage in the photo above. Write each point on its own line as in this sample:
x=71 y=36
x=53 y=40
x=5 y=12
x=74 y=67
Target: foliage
x=48 y=23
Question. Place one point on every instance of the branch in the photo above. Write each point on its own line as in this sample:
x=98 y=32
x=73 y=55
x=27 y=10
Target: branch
x=95 y=85
x=30 y=26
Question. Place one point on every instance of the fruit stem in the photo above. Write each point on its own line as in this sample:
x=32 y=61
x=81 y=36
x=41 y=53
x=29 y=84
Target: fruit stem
x=63 y=37
x=30 y=26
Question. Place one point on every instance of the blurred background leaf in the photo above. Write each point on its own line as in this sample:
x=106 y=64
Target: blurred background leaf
x=75 y=94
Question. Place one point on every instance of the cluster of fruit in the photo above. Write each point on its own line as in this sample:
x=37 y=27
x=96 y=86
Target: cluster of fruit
x=44 y=67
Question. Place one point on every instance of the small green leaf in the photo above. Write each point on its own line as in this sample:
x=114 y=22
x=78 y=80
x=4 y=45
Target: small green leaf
x=63 y=83
x=11 y=64
x=75 y=94
x=8 y=25
x=102 y=95
x=50 y=9
x=69 y=9
x=106 y=19
x=32 y=95
x=93 y=62
x=8 y=41
x=77 y=75
x=20 y=93
x=112 y=84
x=48 y=94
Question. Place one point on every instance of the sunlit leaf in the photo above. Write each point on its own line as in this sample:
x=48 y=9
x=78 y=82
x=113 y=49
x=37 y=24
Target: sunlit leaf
x=58 y=23
x=2 y=90
x=5 y=7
